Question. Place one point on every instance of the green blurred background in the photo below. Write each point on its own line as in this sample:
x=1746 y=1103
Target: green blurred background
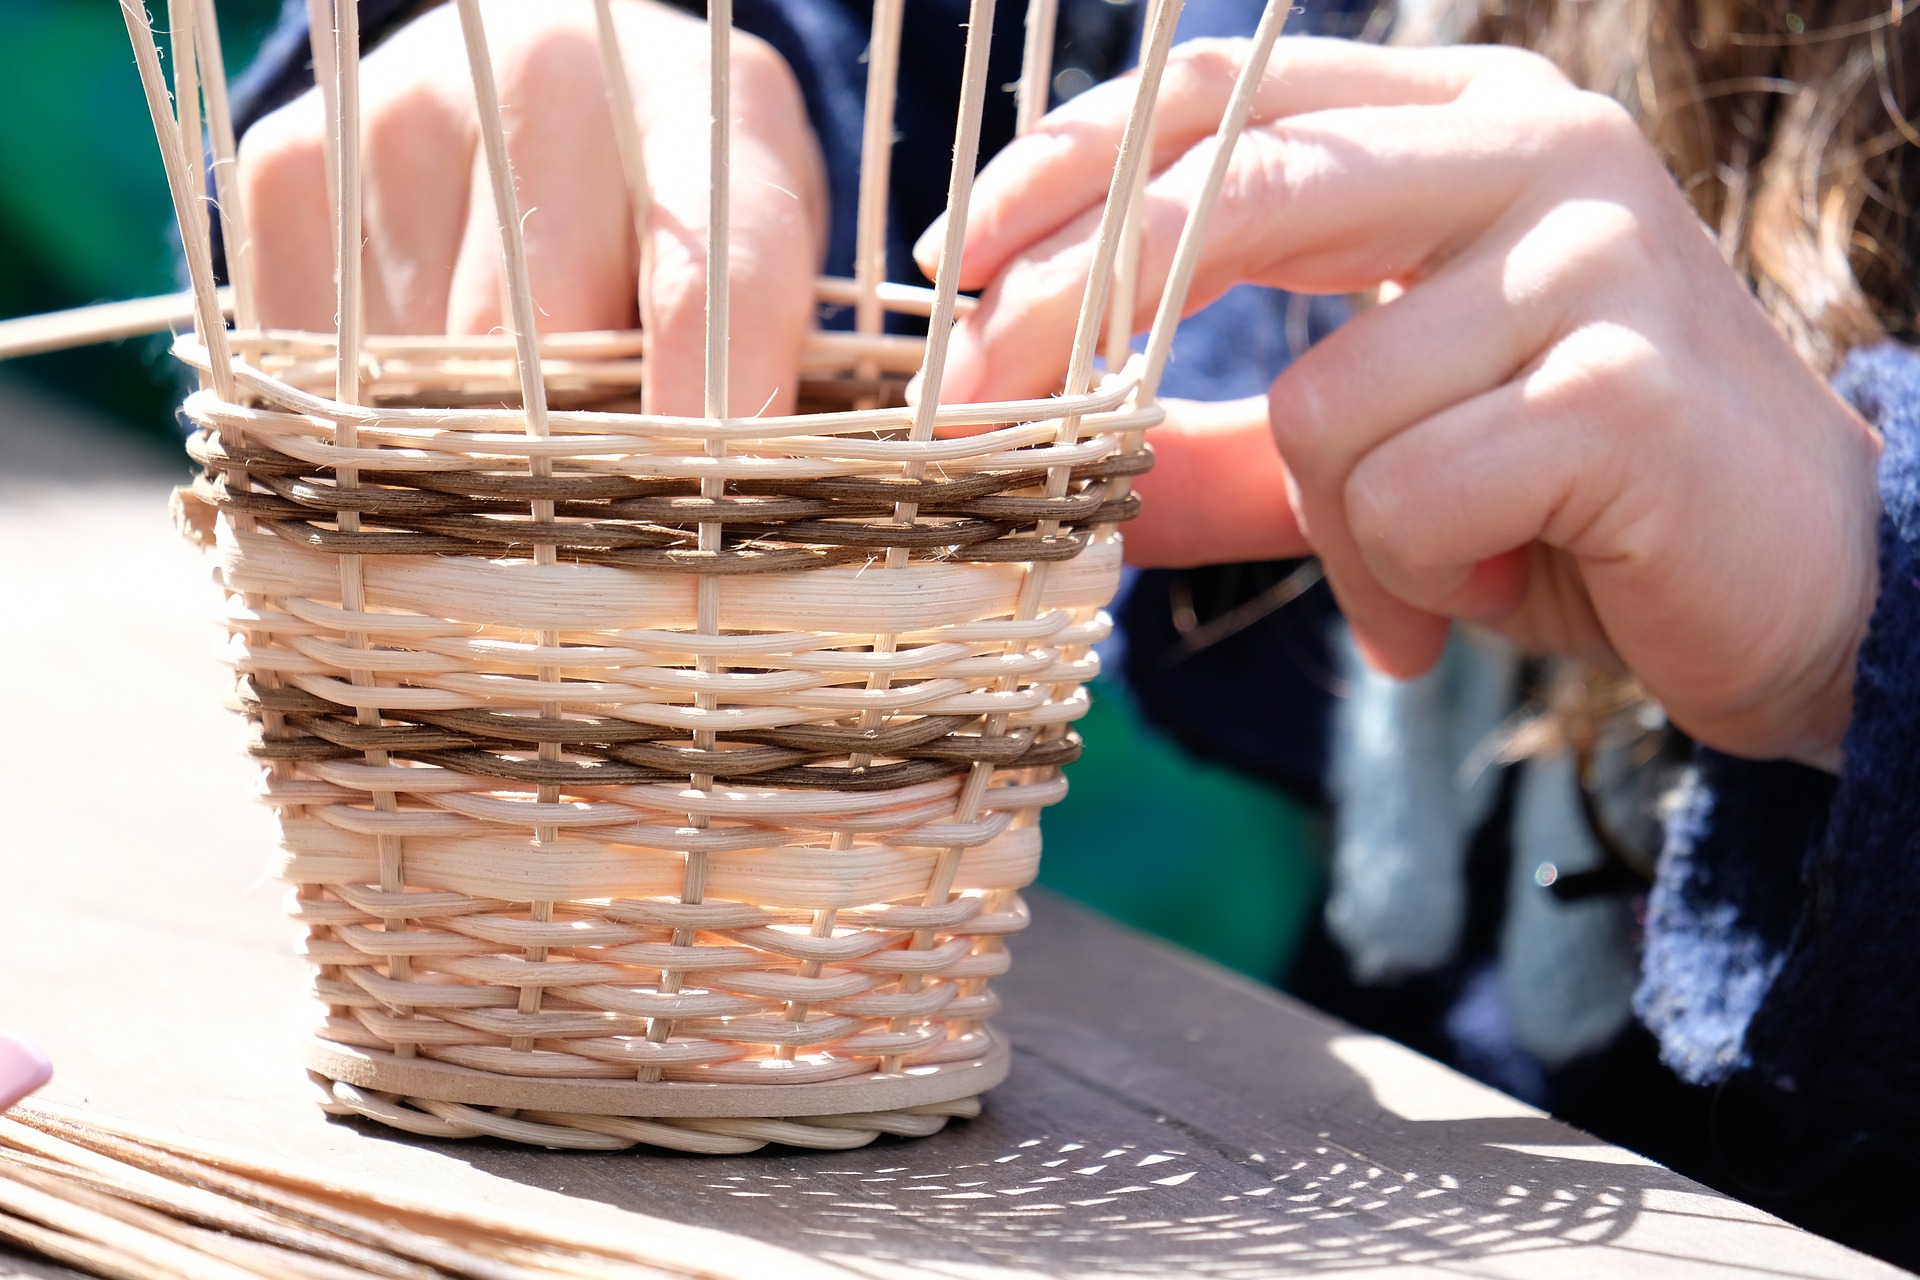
x=1179 y=847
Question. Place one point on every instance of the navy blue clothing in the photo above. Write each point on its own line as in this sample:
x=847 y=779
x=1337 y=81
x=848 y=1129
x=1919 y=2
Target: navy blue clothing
x=1784 y=928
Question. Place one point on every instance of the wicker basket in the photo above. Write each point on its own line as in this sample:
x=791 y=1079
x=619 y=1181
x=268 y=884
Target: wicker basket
x=645 y=779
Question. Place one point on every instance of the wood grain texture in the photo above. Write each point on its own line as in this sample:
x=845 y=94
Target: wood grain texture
x=1162 y=1117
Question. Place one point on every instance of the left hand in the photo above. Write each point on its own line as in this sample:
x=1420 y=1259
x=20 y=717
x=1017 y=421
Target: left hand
x=1574 y=425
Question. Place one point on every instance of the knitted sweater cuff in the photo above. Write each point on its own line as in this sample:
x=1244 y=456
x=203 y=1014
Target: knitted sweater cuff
x=1783 y=933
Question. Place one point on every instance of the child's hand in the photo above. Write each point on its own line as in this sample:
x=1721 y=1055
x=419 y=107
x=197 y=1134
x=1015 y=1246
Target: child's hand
x=1574 y=424
x=433 y=258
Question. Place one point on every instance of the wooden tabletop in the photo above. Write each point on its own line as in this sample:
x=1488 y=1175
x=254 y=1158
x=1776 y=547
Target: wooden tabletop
x=1164 y=1117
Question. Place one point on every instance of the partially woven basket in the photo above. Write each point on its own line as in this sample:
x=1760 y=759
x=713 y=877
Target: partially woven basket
x=647 y=779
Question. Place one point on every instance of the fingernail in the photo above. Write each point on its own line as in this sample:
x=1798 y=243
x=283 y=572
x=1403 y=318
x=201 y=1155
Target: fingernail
x=23 y=1069
x=926 y=250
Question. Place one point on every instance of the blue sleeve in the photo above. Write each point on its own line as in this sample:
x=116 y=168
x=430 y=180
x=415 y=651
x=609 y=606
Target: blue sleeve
x=1783 y=933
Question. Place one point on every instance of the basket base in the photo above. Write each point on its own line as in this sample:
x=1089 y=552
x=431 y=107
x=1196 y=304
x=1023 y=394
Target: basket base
x=716 y=1135
x=436 y=1099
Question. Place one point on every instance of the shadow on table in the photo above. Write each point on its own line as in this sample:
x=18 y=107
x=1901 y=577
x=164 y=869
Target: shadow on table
x=1066 y=1173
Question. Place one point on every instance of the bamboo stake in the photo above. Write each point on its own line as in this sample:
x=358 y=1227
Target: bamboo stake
x=533 y=396
x=320 y=39
x=1186 y=257
x=137 y=317
x=187 y=199
x=226 y=186
x=1126 y=270
x=693 y=884
x=1134 y=146
x=876 y=167
x=102 y=322
x=633 y=167
x=1036 y=65
x=966 y=152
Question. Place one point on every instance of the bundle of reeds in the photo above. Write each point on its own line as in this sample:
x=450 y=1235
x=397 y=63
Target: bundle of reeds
x=129 y=1202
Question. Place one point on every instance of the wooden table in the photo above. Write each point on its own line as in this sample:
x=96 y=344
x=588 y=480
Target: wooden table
x=1164 y=1117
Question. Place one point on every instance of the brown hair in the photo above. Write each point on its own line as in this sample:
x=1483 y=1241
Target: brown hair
x=1787 y=127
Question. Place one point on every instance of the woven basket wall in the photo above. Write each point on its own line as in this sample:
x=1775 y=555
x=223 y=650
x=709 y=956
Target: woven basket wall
x=648 y=779
x=565 y=850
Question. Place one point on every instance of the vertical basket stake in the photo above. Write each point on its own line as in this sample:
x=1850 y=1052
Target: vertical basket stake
x=182 y=24
x=350 y=305
x=713 y=487
x=533 y=395
x=633 y=167
x=869 y=269
x=876 y=171
x=966 y=152
x=1126 y=270
x=320 y=40
x=1136 y=147
x=1036 y=65
x=1186 y=257
x=188 y=202
x=226 y=186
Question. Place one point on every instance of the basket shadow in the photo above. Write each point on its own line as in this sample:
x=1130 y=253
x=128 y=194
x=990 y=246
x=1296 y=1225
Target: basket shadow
x=1062 y=1174
x=1244 y=1137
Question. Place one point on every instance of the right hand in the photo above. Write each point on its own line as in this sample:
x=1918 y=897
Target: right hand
x=1573 y=424
x=432 y=247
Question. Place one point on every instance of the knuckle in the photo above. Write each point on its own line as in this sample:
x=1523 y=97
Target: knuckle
x=1370 y=502
x=677 y=282
x=1595 y=128
x=1597 y=244
x=548 y=55
x=1297 y=410
x=1512 y=78
x=758 y=66
x=1210 y=59
x=1517 y=68
x=398 y=115
x=1608 y=372
x=284 y=148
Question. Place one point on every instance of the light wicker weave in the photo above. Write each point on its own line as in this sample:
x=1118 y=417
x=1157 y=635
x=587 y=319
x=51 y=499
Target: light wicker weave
x=646 y=779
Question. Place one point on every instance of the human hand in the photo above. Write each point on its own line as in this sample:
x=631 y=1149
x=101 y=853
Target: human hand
x=23 y=1069
x=433 y=259
x=1574 y=425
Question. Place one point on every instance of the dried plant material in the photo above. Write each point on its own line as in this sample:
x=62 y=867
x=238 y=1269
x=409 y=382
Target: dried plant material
x=128 y=1202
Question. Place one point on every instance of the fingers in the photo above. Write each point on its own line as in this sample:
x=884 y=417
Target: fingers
x=1470 y=515
x=573 y=208
x=283 y=188
x=1419 y=478
x=1217 y=491
x=776 y=232
x=1336 y=202
x=433 y=256
x=1044 y=180
x=417 y=157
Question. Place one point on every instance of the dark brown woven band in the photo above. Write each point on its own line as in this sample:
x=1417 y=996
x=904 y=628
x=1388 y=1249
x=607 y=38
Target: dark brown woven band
x=654 y=524
x=605 y=751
